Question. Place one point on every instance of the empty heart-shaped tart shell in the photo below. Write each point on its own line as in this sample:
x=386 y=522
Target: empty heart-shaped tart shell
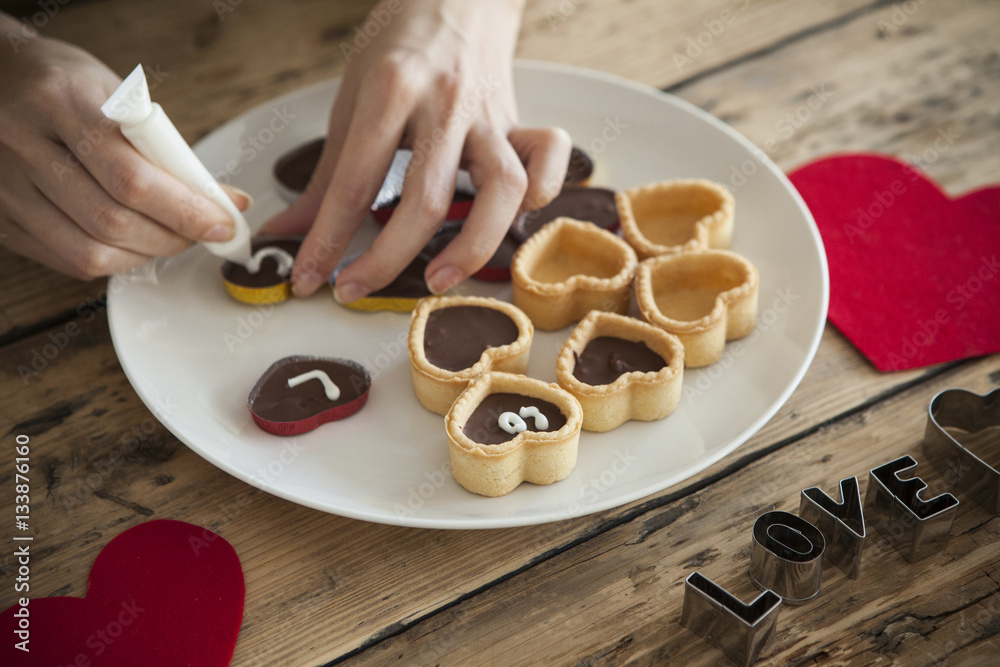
x=643 y=396
x=536 y=456
x=704 y=298
x=437 y=387
x=676 y=216
x=282 y=409
x=569 y=268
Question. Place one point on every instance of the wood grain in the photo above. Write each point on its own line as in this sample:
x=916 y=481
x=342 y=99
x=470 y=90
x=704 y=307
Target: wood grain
x=599 y=589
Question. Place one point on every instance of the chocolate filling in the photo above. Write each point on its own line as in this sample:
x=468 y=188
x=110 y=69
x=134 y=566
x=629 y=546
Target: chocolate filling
x=275 y=401
x=456 y=337
x=296 y=167
x=580 y=168
x=596 y=205
x=268 y=274
x=483 y=424
x=605 y=358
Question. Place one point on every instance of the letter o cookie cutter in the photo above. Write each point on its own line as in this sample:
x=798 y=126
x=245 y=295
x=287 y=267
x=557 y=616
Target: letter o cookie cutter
x=787 y=556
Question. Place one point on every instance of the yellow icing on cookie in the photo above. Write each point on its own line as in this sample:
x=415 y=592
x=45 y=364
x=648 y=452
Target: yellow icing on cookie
x=259 y=295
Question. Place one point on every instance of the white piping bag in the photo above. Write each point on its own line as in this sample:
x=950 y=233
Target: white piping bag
x=147 y=127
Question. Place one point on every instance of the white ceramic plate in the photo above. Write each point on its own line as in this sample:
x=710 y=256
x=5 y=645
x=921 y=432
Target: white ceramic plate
x=192 y=353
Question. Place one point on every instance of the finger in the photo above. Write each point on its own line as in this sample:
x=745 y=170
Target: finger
x=427 y=193
x=57 y=242
x=501 y=182
x=82 y=199
x=377 y=124
x=133 y=181
x=544 y=152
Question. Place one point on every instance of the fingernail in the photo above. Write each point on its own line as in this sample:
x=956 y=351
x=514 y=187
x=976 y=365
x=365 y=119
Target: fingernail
x=218 y=233
x=444 y=279
x=243 y=200
x=349 y=292
x=304 y=284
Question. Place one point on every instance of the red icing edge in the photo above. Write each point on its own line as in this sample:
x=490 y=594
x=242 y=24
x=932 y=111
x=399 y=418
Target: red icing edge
x=312 y=423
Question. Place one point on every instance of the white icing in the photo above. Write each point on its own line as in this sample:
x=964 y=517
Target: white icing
x=514 y=423
x=285 y=260
x=332 y=390
x=511 y=423
x=541 y=422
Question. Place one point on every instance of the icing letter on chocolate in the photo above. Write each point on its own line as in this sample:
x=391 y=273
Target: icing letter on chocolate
x=511 y=423
x=332 y=390
x=284 y=260
x=541 y=422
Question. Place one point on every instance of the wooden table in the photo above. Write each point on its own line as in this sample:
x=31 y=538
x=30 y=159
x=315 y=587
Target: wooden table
x=599 y=589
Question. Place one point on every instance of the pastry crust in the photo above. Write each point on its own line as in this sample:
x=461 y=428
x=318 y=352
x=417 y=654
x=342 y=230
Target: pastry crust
x=530 y=456
x=704 y=298
x=437 y=388
x=569 y=268
x=676 y=216
x=635 y=395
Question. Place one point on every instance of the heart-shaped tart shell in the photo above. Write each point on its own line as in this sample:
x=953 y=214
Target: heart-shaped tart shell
x=676 y=216
x=530 y=456
x=569 y=268
x=635 y=395
x=437 y=388
x=704 y=298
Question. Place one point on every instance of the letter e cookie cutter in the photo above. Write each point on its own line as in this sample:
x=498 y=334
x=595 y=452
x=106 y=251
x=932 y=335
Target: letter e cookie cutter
x=915 y=527
x=957 y=412
x=787 y=556
x=739 y=630
x=842 y=524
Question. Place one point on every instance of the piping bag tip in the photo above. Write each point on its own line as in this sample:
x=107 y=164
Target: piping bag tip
x=148 y=129
x=130 y=103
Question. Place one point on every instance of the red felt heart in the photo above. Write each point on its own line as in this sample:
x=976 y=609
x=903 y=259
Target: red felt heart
x=162 y=593
x=914 y=274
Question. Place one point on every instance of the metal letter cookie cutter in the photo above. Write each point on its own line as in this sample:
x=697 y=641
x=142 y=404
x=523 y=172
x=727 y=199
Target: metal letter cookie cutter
x=787 y=556
x=915 y=527
x=741 y=631
x=960 y=410
x=842 y=524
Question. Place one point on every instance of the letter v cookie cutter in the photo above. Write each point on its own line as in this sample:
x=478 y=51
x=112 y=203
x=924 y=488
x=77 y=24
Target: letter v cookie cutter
x=958 y=410
x=842 y=524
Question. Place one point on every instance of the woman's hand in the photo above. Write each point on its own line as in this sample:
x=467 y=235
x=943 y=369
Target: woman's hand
x=435 y=78
x=74 y=194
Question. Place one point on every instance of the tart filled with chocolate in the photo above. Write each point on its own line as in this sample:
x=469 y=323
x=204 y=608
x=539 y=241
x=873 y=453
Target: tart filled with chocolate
x=621 y=368
x=594 y=205
x=506 y=429
x=266 y=278
x=455 y=339
x=298 y=394
x=294 y=169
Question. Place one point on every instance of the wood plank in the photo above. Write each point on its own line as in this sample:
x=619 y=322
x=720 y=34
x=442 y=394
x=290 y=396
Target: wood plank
x=927 y=90
x=213 y=63
x=894 y=612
